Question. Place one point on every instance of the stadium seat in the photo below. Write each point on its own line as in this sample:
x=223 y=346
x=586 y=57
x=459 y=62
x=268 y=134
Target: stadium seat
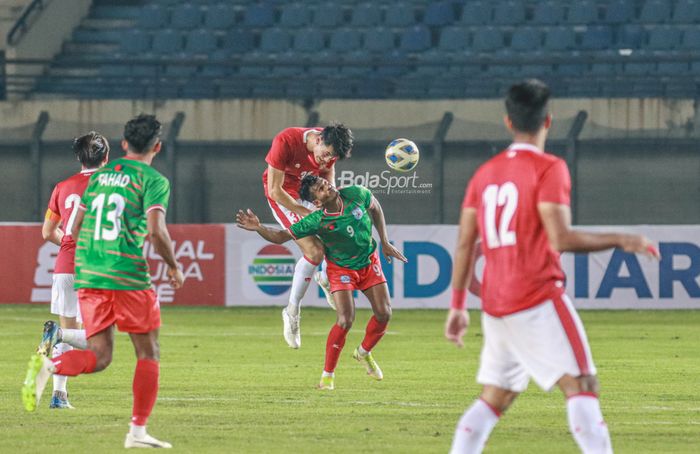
x=606 y=69
x=655 y=11
x=639 y=68
x=345 y=40
x=648 y=88
x=453 y=39
x=295 y=15
x=439 y=14
x=153 y=16
x=686 y=12
x=216 y=66
x=135 y=42
x=548 y=13
x=630 y=36
x=691 y=39
x=238 y=41
x=509 y=13
x=392 y=64
x=584 y=12
x=308 y=40
x=186 y=17
x=415 y=39
x=682 y=89
x=619 y=12
x=673 y=68
x=487 y=39
x=275 y=40
x=477 y=13
x=400 y=15
x=526 y=39
x=166 y=41
x=301 y=88
x=597 y=37
x=559 y=39
x=324 y=70
x=571 y=69
x=200 y=42
x=220 y=17
x=180 y=70
x=378 y=40
x=366 y=15
x=259 y=15
x=327 y=15
x=664 y=38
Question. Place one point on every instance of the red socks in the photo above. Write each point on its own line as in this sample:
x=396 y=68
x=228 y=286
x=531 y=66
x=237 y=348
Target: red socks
x=373 y=333
x=334 y=345
x=75 y=362
x=145 y=390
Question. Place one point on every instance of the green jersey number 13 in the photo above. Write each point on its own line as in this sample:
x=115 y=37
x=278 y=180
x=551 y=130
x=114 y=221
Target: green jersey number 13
x=116 y=203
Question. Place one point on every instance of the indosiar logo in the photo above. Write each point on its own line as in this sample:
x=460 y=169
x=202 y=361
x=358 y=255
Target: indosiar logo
x=273 y=269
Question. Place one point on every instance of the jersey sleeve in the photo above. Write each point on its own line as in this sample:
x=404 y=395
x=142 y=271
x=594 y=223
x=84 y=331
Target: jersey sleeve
x=279 y=152
x=309 y=225
x=156 y=194
x=471 y=198
x=555 y=184
x=53 y=202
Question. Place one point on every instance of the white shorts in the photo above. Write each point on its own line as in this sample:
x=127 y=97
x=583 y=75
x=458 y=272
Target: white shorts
x=285 y=217
x=64 y=298
x=544 y=343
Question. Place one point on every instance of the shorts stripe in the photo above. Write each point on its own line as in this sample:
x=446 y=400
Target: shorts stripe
x=571 y=331
x=279 y=214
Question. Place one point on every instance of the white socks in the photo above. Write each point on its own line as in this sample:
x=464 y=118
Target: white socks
x=587 y=425
x=474 y=429
x=74 y=337
x=303 y=271
x=137 y=431
x=59 y=381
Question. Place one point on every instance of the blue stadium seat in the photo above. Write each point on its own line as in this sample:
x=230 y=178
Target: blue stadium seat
x=238 y=41
x=597 y=37
x=220 y=16
x=393 y=64
x=584 y=12
x=153 y=16
x=487 y=39
x=509 y=13
x=477 y=13
x=548 y=13
x=673 y=68
x=275 y=40
x=366 y=15
x=378 y=40
x=308 y=40
x=559 y=39
x=400 y=15
x=328 y=15
x=606 y=69
x=186 y=16
x=415 y=39
x=301 y=88
x=639 y=68
x=655 y=11
x=183 y=70
x=295 y=15
x=686 y=12
x=135 y=41
x=691 y=39
x=664 y=38
x=166 y=41
x=453 y=39
x=324 y=70
x=630 y=36
x=200 y=42
x=571 y=69
x=619 y=12
x=526 y=39
x=215 y=66
x=682 y=89
x=439 y=14
x=259 y=15
x=345 y=40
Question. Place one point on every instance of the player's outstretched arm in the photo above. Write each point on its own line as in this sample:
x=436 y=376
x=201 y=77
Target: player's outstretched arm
x=50 y=230
x=388 y=249
x=275 y=182
x=556 y=219
x=458 y=318
x=163 y=245
x=249 y=221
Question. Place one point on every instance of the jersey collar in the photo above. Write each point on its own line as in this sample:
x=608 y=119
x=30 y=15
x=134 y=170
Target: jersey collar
x=524 y=146
x=342 y=207
x=86 y=171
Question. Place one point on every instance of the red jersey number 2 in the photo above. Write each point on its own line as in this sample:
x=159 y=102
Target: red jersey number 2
x=498 y=234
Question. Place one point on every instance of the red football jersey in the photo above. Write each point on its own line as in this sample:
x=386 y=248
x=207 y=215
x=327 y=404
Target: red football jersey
x=289 y=154
x=64 y=200
x=522 y=269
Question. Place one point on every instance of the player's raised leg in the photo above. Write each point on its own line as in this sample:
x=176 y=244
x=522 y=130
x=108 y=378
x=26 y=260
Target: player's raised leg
x=345 y=316
x=378 y=296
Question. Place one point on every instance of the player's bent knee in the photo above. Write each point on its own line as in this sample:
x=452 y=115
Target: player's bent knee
x=383 y=315
x=345 y=323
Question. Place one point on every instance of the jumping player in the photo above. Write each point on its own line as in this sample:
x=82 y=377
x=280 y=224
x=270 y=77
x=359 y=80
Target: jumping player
x=92 y=151
x=296 y=152
x=518 y=204
x=124 y=203
x=343 y=221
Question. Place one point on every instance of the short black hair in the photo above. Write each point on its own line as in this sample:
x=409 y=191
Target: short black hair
x=340 y=137
x=307 y=183
x=142 y=133
x=91 y=149
x=526 y=104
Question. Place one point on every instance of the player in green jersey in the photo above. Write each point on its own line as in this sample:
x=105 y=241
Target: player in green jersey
x=343 y=222
x=124 y=202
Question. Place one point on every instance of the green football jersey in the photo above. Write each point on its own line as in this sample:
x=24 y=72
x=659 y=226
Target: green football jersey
x=347 y=235
x=109 y=252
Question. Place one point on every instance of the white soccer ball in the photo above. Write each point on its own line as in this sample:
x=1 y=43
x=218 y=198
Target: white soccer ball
x=402 y=155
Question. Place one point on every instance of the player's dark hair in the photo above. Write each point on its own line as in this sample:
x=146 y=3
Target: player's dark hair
x=142 y=133
x=307 y=183
x=526 y=104
x=91 y=149
x=340 y=137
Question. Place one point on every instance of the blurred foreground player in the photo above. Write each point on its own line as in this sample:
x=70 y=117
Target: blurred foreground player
x=343 y=222
x=518 y=204
x=92 y=151
x=124 y=203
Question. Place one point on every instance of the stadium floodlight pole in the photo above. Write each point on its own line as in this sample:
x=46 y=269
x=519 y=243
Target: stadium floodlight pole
x=171 y=160
x=572 y=159
x=35 y=159
x=438 y=165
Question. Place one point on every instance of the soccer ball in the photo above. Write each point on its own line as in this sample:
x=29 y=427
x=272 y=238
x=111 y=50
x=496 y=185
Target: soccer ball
x=402 y=155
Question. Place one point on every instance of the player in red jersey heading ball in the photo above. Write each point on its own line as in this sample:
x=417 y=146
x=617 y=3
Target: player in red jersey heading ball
x=518 y=204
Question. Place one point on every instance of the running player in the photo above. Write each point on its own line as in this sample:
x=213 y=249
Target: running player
x=92 y=151
x=124 y=202
x=518 y=203
x=296 y=152
x=343 y=221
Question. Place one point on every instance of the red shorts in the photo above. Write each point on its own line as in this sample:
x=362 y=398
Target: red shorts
x=133 y=311
x=362 y=279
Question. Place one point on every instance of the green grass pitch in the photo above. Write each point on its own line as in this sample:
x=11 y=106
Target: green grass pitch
x=229 y=383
